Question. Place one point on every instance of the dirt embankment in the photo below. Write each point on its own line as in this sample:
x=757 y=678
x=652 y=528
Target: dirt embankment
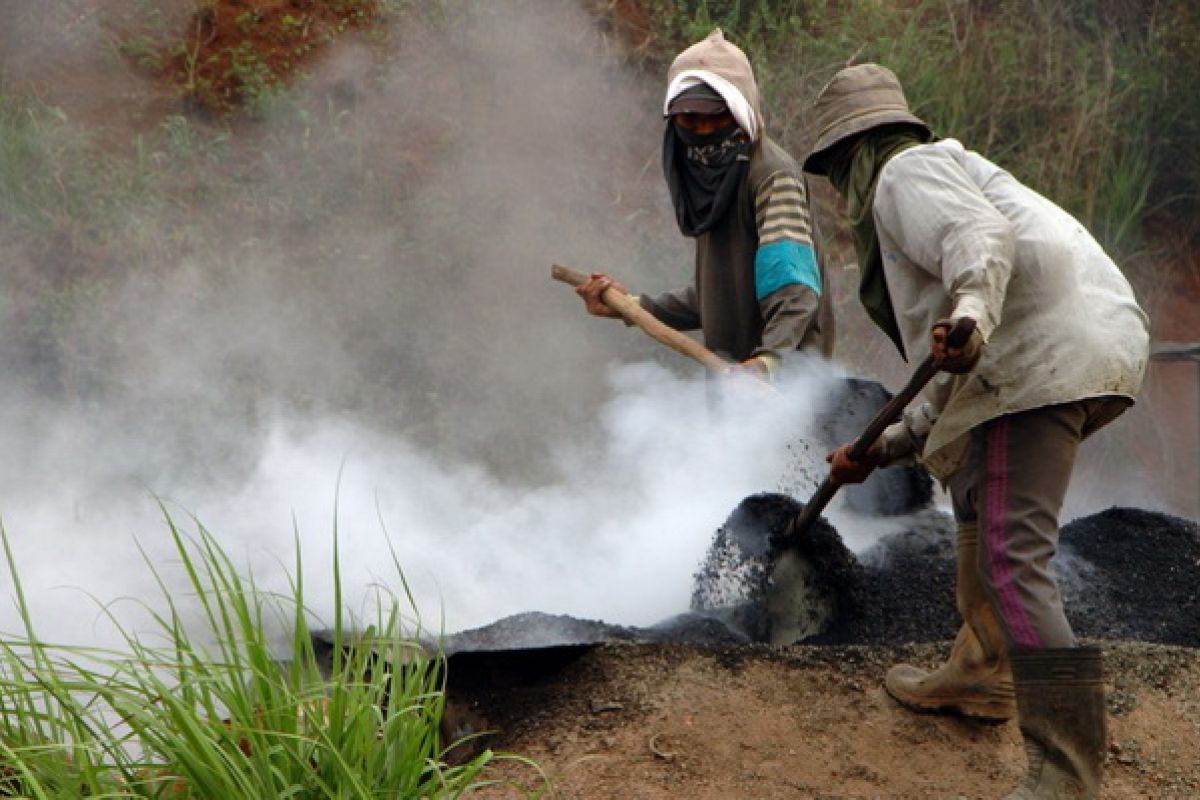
x=689 y=708
x=669 y=721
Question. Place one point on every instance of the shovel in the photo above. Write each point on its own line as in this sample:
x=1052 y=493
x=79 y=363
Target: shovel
x=800 y=524
x=634 y=314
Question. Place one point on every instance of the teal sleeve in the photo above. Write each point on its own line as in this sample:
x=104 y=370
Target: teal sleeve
x=785 y=262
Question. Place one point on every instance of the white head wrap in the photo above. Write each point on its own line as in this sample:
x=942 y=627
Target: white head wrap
x=739 y=107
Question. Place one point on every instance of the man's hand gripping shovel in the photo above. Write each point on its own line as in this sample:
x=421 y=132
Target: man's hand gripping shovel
x=630 y=311
x=956 y=339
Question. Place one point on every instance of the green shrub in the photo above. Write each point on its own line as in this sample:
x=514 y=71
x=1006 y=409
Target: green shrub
x=218 y=714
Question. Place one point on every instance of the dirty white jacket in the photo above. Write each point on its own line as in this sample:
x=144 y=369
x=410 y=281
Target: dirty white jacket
x=961 y=237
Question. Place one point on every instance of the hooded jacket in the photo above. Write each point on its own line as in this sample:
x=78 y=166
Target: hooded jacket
x=759 y=286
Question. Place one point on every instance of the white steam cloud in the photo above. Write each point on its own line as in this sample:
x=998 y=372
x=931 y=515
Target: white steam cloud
x=371 y=317
x=617 y=538
x=373 y=303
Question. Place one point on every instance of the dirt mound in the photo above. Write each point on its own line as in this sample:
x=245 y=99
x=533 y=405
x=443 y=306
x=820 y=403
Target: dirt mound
x=232 y=53
x=666 y=721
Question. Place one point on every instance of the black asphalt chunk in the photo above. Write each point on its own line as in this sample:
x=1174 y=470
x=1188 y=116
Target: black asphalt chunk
x=759 y=592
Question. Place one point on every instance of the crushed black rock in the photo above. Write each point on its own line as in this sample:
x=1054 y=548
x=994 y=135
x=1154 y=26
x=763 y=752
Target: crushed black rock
x=1132 y=574
x=784 y=593
x=908 y=593
x=841 y=420
x=695 y=628
x=1126 y=574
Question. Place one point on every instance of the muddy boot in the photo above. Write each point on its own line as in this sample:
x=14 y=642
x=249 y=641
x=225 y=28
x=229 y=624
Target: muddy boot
x=1060 y=697
x=976 y=681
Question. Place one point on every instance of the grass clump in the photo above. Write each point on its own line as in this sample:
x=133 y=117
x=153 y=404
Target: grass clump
x=184 y=719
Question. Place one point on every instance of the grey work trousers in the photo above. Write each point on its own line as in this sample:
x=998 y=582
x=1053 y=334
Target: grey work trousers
x=1012 y=485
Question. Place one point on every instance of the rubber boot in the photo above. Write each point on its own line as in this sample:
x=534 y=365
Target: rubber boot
x=1060 y=701
x=976 y=681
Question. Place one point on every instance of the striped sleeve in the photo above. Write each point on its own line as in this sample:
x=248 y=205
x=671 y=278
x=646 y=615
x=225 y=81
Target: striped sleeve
x=785 y=247
x=781 y=210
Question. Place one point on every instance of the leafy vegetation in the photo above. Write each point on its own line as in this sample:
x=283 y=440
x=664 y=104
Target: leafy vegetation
x=1085 y=100
x=235 y=57
x=217 y=713
x=1089 y=101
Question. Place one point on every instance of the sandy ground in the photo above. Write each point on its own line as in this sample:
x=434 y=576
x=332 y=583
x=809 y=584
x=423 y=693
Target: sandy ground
x=670 y=721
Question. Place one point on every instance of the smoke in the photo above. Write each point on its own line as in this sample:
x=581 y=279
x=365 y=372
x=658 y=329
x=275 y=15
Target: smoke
x=349 y=298
x=617 y=538
x=380 y=249
x=1129 y=463
x=342 y=316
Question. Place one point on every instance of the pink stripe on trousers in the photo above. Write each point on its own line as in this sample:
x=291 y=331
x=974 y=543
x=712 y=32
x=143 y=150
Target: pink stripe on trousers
x=1017 y=620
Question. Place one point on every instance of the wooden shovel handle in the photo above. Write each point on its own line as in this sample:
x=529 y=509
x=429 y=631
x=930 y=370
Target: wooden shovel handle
x=634 y=314
x=891 y=411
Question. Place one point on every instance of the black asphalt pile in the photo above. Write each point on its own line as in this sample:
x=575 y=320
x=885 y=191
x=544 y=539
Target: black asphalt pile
x=1126 y=574
x=1132 y=574
x=908 y=587
x=786 y=590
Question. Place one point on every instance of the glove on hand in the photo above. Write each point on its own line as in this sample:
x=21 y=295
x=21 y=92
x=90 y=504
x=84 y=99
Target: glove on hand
x=955 y=359
x=844 y=470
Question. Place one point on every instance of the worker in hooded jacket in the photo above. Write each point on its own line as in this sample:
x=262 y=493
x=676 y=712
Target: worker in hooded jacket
x=758 y=293
x=1059 y=350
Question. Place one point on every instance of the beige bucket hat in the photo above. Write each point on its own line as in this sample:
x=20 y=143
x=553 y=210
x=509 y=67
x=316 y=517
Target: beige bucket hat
x=856 y=99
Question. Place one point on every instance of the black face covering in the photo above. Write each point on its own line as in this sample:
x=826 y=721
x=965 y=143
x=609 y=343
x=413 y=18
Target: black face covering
x=703 y=173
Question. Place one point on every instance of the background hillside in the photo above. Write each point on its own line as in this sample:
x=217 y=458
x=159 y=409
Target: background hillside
x=169 y=171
